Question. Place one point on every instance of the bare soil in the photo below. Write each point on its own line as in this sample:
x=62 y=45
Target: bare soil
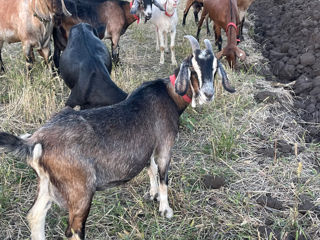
x=289 y=34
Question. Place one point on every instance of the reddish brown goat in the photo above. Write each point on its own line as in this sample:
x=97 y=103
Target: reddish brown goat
x=224 y=14
x=110 y=18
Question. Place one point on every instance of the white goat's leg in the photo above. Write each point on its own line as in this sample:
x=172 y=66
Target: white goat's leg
x=165 y=35
x=161 y=41
x=157 y=39
x=153 y=173
x=37 y=215
x=173 y=55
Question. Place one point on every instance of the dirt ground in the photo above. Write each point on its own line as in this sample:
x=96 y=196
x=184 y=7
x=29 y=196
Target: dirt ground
x=289 y=34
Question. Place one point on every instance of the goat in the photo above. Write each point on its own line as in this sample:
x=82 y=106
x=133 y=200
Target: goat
x=166 y=22
x=137 y=5
x=110 y=18
x=29 y=22
x=243 y=6
x=197 y=6
x=85 y=67
x=224 y=14
x=79 y=152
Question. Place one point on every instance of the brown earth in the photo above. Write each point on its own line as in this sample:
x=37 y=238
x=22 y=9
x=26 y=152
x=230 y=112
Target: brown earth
x=289 y=34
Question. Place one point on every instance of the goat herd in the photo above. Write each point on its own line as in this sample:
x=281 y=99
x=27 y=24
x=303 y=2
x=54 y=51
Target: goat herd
x=79 y=152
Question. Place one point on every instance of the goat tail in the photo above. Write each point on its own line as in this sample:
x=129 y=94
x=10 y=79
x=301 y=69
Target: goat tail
x=20 y=146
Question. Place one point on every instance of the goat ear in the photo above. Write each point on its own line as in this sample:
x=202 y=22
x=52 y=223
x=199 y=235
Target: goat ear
x=182 y=81
x=240 y=54
x=225 y=81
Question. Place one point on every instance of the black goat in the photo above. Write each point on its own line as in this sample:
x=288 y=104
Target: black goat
x=85 y=67
x=79 y=152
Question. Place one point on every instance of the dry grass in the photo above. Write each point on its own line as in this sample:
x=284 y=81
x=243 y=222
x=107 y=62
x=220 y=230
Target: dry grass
x=225 y=138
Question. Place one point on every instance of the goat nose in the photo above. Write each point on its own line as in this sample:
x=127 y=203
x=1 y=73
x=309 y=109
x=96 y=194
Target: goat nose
x=208 y=94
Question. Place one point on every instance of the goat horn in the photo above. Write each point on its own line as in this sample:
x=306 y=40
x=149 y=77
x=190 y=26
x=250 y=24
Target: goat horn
x=208 y=45
x=225 y=80
x=64 y=9
x=157 y=4
x=194 y=43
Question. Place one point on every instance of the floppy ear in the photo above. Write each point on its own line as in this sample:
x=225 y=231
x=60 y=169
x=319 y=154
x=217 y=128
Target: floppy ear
x=240 y=54
x=225 y=81
x=183 y=78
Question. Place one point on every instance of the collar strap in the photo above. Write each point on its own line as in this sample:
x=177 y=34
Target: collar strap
x=165 y=10
x=185 y=97
x=231 y=24
x=134 y=15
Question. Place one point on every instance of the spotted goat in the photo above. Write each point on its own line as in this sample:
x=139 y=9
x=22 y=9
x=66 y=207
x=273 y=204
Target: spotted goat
x=77 y=153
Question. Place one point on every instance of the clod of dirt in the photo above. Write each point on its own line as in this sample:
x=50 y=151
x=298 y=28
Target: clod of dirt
x=284 y=147
x=266 y=96
x=268 y=152
x=266 y=232
x=213 y=182
x=270 y=202
x=305 y=204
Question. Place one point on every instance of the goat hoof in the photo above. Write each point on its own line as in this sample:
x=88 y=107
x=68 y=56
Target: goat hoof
x=168 y=213
x=154 y=197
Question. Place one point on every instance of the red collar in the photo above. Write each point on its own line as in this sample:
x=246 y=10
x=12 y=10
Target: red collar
x=185 y=97
x=165 y=10
x=232 y=25
x=134 y=15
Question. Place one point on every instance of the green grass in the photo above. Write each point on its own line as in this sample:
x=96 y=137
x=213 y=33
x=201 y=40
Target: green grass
x=221 y=138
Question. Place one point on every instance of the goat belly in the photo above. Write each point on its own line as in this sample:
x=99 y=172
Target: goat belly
x=118 y=171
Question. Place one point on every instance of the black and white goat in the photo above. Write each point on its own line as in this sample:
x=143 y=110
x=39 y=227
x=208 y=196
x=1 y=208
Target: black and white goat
x=79 y=152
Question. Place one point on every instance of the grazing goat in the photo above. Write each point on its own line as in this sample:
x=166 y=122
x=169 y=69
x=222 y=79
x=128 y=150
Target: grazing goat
x=243 y=6
x=78 y=153
x=29 y=22
x=110 y=18
x=166 y=22
x=224 y=14
x=85 y=67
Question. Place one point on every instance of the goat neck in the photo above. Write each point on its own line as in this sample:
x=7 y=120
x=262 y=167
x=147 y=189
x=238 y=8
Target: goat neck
x=130 y=18
x=231 y=32
x=182 y=101
x=170 y=7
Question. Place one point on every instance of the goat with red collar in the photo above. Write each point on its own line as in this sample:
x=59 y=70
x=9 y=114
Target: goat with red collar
x=78 y=153
x=166 y=22
x=224 y=14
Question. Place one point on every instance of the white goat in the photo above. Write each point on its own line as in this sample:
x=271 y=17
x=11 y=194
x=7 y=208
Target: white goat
x=166 y=22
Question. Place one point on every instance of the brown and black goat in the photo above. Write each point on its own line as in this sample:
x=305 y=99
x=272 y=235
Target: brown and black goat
x=224 y=14
x=31 y=23
x=78 y=153
x=110 y=18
